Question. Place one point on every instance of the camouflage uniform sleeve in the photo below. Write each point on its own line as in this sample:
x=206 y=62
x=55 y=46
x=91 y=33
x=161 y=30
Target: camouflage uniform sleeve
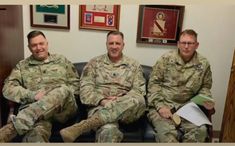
x=207 y=83
x=13 y=88
x=138 y=89
x=88 y=93
x=73 y=81
x=155 y=95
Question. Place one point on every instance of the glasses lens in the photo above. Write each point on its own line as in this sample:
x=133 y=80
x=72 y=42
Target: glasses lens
x=187 y=43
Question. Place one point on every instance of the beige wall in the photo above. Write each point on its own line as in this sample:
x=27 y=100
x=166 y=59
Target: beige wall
x=214 y=24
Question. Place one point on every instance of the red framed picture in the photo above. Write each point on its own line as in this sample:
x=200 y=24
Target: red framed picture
x=159 y=24
x=100 y=17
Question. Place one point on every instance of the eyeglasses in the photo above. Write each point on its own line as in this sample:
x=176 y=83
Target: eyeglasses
x=187 y=43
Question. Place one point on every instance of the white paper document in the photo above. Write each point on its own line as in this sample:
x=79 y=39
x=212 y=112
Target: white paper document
x=194 y=114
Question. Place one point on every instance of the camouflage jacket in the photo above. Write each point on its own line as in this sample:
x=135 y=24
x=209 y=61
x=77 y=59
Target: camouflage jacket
x=102 y=78
x=30 y=76
x=173 y=83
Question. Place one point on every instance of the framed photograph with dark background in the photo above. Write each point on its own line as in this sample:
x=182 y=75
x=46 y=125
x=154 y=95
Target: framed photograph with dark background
x=159 y=24
x=99 y=17
x=50 y=16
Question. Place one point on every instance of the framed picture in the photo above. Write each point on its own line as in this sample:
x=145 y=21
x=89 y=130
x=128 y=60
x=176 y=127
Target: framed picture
x=50 y=16
x=159 y=24
x=100 y=17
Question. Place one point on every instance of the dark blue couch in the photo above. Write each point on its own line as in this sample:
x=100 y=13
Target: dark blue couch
x=134 y=132
x=139 y=131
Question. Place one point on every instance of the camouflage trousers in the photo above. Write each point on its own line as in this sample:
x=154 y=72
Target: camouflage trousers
x=34 y=121
x=125 y=109
x=166 y=131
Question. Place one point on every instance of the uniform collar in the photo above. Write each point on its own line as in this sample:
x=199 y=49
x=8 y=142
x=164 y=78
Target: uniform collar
x=192 y=62
x=122 y=61
x=32 y=60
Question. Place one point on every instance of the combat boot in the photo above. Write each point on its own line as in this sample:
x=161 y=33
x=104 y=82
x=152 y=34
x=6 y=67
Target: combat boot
x=7 y=133
x=70 y=134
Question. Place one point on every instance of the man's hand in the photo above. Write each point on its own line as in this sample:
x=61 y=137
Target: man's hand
x=209 y=105
x=165 y=112
x=111 y=97
x=107 y=99
x=39 y=95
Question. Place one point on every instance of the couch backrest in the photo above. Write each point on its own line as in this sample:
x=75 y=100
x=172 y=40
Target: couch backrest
x=146 y=69
x=79 y=66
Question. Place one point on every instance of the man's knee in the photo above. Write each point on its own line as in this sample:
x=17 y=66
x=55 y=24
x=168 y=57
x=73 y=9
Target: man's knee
x=62 y=91
x=201 y=134
x=197 y=134
x=40 y=133
x=109 y=133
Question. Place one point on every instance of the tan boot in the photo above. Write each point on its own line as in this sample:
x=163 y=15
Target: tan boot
x=7 y=133
x=70 y=134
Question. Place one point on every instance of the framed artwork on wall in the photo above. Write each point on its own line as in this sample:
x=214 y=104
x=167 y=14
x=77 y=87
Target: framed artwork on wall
x=159 y=24
x=99 y=17
x=50 y=16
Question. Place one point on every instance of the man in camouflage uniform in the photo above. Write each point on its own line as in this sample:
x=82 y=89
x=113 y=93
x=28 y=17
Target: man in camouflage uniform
x=44 y=84
x=177 y=77
x=113 y=87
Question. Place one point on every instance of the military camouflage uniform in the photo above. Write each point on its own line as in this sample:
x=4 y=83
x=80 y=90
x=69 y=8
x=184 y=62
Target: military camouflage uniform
x=102 y=78
x=58 y=78
x=173 y=83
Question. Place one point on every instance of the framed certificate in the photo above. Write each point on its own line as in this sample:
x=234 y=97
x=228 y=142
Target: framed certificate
x=50 y=16
x=159 y=24
x=100 y=17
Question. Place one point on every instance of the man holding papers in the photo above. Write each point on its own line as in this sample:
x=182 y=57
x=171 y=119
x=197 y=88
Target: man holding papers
x=202 y=99
x=177 y=77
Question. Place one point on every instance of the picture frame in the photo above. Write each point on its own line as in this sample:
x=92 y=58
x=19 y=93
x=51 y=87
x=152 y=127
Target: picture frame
x=50 y=16
x=159 y=24
x=99 y=17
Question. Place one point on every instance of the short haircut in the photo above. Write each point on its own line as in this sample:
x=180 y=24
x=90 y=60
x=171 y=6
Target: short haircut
x=115 y=33
x=189 y=32
x=35 y=33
